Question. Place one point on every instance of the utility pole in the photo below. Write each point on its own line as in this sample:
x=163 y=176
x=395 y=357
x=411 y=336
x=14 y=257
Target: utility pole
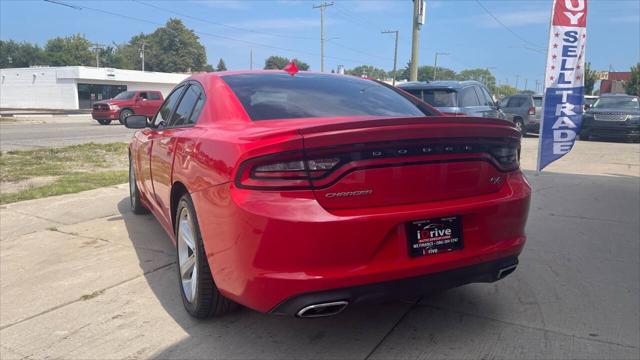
x=142 y=54
x=489 y=68
x=537 y=85
x=395 y=53
x=97 y=48
x=435 y=64
x=517 y=78
x=525 y=83
x=418 y=20
x=322 y=7
x=251 y=59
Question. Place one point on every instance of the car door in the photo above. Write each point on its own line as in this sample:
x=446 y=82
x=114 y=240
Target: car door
x=468 y=102
x=169 y=139
x=490 y=108
x=146 y=139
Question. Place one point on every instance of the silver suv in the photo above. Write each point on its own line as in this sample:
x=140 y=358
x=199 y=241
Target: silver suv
x=524 y=110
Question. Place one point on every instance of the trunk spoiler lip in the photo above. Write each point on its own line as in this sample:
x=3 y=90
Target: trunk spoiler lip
x=341 y=123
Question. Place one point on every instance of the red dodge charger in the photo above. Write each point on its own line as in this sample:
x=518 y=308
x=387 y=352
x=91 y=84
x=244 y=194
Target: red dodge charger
x=304 y=194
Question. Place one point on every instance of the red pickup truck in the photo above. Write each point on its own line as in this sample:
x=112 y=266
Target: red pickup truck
x=140 y=102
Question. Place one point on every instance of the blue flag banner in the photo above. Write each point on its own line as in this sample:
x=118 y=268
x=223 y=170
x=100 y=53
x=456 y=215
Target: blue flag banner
x=564 y=81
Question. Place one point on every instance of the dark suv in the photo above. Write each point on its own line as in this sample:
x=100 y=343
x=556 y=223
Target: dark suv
x=613 y=117
x=469 y=98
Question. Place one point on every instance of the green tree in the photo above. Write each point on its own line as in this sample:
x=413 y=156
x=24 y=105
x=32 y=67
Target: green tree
x=369 y=71
x=632 y=86
x=482 y=75
x=221 y=66
x=425 y=73
x=72 y=50
x=173 y=48
x=589 y=79
x=24 y=54
x=505 y=90
x=279 y=62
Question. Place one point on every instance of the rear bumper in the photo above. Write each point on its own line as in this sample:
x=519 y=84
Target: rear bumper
x=486 y=272
x=105 y=115
x=265 y=248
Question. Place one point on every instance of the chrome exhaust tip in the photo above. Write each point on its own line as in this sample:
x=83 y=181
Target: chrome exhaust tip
x=502 y=273
x=322 y=309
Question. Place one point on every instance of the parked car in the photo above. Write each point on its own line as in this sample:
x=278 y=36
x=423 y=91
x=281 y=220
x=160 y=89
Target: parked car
x=127 y=103
x=612 y=117
x=524 y=110
x=469 y=98
x=300 y=195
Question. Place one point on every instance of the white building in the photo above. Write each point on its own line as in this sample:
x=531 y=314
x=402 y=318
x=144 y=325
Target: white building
x=75 y=87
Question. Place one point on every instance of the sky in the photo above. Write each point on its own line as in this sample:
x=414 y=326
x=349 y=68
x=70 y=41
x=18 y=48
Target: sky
x=513 y=47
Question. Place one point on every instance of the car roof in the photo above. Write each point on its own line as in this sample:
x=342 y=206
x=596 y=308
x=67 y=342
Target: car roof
x=438 y=84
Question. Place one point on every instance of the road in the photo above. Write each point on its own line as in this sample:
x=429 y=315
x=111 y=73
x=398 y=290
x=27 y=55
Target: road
x=37 y=132
x=81 y=277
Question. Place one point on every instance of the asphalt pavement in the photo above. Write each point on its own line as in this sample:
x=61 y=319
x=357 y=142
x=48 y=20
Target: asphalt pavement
x=82 y=277
x=36 y=132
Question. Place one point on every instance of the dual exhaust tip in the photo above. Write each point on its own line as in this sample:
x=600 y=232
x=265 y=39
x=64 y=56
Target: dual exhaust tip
x=336 y=307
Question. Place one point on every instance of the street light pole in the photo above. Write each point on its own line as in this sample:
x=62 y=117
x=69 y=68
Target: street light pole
x=435 y=64
x=418 y=12
x=322 y=7
x=395 y=53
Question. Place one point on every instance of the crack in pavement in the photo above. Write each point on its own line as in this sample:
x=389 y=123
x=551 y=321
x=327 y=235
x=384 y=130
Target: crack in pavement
x=81 y=298
x=526 y=326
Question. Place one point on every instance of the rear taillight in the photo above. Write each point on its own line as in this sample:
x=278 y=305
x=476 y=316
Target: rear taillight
x=532 y=110
x=290 y=171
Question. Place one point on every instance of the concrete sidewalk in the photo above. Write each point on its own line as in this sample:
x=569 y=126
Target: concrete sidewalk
x=82 y=277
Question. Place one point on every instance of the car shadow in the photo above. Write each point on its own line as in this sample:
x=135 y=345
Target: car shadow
x=245 y=333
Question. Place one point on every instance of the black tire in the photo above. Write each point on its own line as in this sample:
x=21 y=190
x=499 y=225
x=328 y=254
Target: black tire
x=124 y=113
x=208 y=301
x=134 y=192
x=520 y=126
x=104 y=121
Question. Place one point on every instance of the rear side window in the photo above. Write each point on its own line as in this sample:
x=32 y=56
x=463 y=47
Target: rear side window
x=468 y=97
x=516 y=101
x=440 y=97
x=306 y=95
x=169 y=104
x=488 y=101
x=416 y=93
x=192 y=100
x=154 y=96
x=537 y=101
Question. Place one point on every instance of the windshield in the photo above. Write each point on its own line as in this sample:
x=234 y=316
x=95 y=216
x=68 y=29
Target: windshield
x=537 y=101
x=440 y=97
x=125 y=95
x=622 y=102
x=282 y=96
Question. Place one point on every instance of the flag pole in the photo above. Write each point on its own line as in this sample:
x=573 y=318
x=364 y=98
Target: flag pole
x=544 y=89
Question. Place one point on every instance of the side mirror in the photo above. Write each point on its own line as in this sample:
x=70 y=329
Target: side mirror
x=136 y=122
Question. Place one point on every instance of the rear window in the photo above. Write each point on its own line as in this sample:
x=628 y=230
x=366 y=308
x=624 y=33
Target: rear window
x=537 y=101
x=125 y=95
x=282 y=96
x=440 y=97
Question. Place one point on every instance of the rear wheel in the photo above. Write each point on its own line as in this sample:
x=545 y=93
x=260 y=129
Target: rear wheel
x=134 y=193
x=200 y=295
x=104 y=121
x=125 y=113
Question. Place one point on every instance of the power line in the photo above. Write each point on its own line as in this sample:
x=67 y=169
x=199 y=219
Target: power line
x=504 y=25
x=77 y=7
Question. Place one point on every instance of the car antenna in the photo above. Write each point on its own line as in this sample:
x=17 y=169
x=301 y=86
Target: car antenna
x=291 y=67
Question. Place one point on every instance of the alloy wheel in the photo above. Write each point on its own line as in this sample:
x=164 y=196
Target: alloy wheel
x=187 y=255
